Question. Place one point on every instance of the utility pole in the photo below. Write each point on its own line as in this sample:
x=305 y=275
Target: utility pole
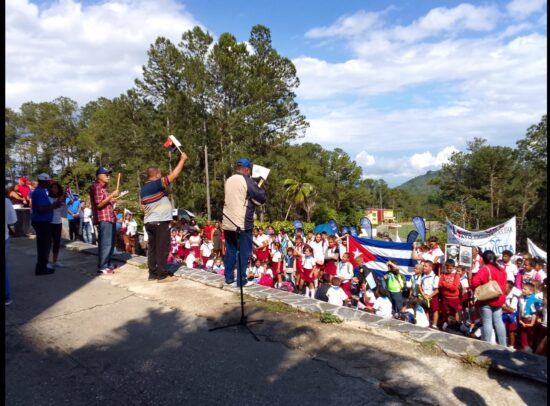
x=207 y=182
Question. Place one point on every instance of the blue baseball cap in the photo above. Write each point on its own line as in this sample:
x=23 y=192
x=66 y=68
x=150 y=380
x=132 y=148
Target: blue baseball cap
x=244 y=162
x=101 y=170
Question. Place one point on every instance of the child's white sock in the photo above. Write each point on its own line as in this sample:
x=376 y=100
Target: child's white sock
x=316 y=283
x=312 y=291
x=307 y=291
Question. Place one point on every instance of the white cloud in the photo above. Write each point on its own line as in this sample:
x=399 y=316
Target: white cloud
x=80 y=51
x=365 y=159
x=424 y=161
x=521 y=9
x=346 y=26
x=420 y=88
x=397 y=169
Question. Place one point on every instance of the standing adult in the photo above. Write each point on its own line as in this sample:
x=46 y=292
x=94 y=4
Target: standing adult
x=23 y=188
x=242 y=195
x=217 y=239
x=208 y=229
x=104 y=217
x=158 y=215
x=41 y=218
x=74 y=210
x=491 y=310
x=11 y=218
x=56 y=193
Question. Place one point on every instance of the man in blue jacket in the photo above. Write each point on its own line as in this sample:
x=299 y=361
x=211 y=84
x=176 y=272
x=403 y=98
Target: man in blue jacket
x=41 y=217
x=242 y=195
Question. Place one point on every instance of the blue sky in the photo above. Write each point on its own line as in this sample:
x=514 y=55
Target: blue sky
x=397 y=85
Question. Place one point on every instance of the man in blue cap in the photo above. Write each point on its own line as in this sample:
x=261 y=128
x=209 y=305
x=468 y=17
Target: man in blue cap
x=104 y=217
x=242 y=195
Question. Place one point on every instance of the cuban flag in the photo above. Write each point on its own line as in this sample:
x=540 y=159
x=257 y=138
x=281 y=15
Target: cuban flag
x=377 y=253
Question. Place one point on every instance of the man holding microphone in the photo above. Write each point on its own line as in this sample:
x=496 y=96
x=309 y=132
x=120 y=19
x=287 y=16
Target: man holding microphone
x=242 y=195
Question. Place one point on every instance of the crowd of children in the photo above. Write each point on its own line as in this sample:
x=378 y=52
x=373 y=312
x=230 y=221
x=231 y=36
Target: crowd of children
x=438 y=295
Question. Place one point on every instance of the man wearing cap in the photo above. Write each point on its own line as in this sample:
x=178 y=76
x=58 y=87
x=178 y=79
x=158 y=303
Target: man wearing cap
x=23 y=188
x=242 y=195
x=41 y=217
x=104 y=217
x=158 y=214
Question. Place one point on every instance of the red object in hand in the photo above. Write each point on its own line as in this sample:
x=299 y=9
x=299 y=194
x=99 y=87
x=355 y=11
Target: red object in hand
x=168 y=143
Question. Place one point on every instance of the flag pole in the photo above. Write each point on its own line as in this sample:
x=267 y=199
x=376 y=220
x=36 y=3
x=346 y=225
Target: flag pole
x=118 y=181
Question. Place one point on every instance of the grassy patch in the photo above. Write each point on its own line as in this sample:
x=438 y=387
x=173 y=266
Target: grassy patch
x=475 y=360
x=326 y=317
x=276 y=307
x=429 y=345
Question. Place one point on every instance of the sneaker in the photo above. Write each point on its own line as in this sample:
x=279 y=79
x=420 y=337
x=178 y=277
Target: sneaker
x=230 y=282
x=247 y=284
x=433 y=326
x=50 y=266
x=58 y=265
x=8 y=302
x=152 y=278
x=170 y=278
x=106 y=271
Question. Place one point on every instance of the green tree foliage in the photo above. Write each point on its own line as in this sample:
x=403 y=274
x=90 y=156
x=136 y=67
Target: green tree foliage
x=237 y=99
x=489 y=184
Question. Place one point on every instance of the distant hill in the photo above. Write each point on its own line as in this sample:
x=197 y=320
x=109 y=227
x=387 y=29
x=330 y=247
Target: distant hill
x=420 y=184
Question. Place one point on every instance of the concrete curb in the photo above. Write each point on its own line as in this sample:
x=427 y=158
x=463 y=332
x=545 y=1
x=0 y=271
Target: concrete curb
x=472 y=351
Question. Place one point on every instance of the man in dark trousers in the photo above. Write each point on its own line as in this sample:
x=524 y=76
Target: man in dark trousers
x=242 y=195
x=41 y=217
x=158 y=214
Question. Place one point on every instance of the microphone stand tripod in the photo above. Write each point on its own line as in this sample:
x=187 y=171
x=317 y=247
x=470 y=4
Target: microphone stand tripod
x=244 y=319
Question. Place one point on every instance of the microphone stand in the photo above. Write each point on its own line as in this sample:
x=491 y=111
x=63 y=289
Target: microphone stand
x=244 y=319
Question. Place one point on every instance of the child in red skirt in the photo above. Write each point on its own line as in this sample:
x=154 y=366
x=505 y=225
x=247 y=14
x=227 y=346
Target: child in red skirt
x=308 y=271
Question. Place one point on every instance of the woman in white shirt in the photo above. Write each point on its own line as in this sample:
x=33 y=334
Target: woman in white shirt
x=56 y=193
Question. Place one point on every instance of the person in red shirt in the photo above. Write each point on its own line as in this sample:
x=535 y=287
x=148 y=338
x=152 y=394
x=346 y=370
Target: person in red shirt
x=23 y=188
x=104 y=217
x=449 y=288
x=207 y=230
x=491 y=310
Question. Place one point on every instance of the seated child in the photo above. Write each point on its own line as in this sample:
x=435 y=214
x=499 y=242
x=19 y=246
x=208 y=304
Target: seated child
x=382 y=306
x=414 y=313
x=336 y=294
x=321 y=292
x=256 y=270
x=191 y=261
x=218 y=267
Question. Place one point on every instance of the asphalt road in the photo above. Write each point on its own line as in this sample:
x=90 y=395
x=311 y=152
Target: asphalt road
x=77 y=339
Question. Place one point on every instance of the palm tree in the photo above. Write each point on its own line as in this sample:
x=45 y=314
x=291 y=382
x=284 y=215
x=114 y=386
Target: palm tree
x=298 y=193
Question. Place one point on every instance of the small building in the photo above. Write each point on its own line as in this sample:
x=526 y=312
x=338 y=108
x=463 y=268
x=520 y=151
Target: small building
x=379 y=216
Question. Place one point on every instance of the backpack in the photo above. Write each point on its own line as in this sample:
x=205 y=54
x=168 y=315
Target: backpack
x=287 y=286
x=266 y=280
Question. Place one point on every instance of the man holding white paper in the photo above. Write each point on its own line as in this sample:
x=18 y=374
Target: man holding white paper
x=242 y=195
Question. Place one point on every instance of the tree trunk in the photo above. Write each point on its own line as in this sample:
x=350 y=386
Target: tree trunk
x=288 y=211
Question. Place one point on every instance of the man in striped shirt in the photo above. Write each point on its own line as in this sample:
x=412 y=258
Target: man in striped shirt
x=104 y=217
x=158 y=214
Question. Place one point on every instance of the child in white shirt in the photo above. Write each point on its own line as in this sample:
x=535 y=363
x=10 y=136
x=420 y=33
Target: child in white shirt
x=382 y=306
x=336 y=294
